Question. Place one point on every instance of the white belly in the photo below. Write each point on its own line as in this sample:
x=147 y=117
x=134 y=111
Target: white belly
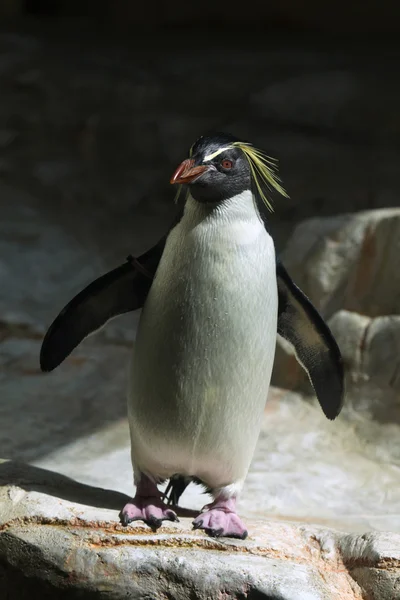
x=204 y=351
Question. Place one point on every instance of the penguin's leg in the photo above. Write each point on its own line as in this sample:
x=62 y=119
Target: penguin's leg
x=219 y=519
x=147 y=505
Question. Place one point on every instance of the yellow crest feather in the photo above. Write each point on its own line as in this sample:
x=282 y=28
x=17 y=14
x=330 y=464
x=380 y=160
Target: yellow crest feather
x=263 y=170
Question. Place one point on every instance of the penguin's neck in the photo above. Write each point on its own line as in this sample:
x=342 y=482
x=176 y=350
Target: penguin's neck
x=241 y=207
x=232 y=223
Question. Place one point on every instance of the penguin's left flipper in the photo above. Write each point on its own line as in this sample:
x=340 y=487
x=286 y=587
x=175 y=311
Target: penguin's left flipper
x=119 y=291
x=316 y=349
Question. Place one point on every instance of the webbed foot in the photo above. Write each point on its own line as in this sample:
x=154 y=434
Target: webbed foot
x=220 y=519
x=147 y=506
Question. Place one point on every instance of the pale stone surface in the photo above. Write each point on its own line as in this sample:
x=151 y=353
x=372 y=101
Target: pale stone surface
x=65 y=539
x=370 y=349
x=348 y=262
x=347 y=265
x=381 y=553
x=344 y=474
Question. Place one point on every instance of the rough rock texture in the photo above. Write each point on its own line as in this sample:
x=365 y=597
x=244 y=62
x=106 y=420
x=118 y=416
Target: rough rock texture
x=348 y=262
x=57 y=538
x=370 y=348
x=348 y=266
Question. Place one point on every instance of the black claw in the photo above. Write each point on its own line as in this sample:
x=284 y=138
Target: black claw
x=238 y=536
x=214 y=532
x=173 y=517
x=125 y=520
x=153 y=522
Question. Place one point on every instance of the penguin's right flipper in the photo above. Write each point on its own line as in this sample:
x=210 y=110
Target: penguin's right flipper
x=119 y=291
x=300 y=323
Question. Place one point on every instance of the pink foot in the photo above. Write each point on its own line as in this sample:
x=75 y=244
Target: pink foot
x=147 y=506
x=220 y=520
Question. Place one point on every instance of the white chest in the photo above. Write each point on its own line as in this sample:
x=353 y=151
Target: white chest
x=216 y=283
x=206 y=338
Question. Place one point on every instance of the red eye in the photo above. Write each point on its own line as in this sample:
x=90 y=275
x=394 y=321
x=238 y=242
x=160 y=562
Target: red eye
x=227 y=164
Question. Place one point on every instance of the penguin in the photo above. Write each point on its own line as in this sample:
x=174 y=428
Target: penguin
x=214 y=296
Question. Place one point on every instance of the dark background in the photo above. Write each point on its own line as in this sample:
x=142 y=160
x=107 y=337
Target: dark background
x=101 y=99
x=340 y=16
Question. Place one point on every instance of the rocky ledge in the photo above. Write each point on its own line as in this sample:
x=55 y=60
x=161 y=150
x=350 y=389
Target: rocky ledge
x=62 y=539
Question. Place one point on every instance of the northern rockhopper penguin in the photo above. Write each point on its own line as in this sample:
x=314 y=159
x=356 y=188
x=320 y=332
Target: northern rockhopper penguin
x=214 y=297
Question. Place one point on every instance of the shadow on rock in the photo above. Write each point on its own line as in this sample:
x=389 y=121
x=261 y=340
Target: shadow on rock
x=36 y=479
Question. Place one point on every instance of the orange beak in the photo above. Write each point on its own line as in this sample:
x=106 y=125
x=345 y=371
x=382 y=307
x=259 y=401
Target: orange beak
x=186 y=172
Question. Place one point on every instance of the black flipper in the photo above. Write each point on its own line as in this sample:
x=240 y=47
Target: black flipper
x=315 y=347
x=119 y=291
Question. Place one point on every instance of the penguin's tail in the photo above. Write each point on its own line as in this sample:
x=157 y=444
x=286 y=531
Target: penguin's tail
x=175 y=488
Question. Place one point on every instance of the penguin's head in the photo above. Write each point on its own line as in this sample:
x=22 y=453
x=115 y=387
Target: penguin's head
x=215 y=170
x=221 y=166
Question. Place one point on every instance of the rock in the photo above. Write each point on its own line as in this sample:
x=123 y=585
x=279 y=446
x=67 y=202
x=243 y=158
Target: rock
x=381 y=551
x=63 y=252
x=349 y=330
x=347 y=265
x=61 y=537
x=381 y=352
x=370 y=348
x=85 y=436
x=90 y=390
x=348 y=262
